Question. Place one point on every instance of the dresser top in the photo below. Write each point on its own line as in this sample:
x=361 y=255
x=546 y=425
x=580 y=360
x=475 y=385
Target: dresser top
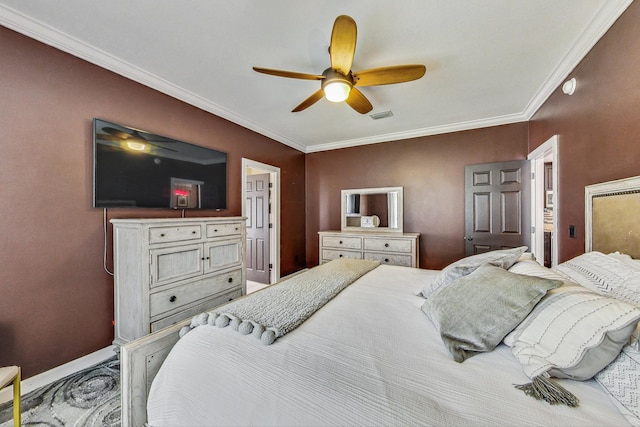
x=373 y=232
x=176 y=220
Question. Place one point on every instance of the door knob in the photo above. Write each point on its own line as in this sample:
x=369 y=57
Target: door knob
x=468 y=238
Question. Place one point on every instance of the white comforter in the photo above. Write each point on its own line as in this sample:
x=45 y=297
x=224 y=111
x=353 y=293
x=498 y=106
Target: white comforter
x=368 y=357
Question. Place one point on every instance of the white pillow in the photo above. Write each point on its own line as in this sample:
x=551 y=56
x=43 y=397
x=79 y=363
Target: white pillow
x=606 y=274
x=533 y=268
x=572 y=333
x=627 y=259
x=621 y=381
x=504 y=258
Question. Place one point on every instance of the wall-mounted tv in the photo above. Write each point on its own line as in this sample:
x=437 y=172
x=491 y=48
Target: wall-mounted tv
x=135 y=168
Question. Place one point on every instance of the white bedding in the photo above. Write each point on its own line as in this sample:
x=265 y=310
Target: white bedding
x=368 y=357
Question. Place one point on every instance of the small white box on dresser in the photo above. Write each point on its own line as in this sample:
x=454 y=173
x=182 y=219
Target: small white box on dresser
x=389 y=248
x=166 y=270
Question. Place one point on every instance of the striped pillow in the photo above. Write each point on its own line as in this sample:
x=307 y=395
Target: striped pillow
x=533 y=268
x=573 y=333
x=599 y=272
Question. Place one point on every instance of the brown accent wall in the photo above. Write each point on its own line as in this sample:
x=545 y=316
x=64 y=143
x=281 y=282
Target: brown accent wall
x=431 y=170
x=56 y=301
x=598 y=127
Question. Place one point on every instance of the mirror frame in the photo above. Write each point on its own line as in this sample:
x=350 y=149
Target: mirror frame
x=380 y=190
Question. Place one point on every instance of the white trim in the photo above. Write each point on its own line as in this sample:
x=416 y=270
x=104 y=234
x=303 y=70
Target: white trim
x=274 y=247
x=591 y=191
x=599 y=25
x=37 y=30
x=59 y=372
x=537 y=157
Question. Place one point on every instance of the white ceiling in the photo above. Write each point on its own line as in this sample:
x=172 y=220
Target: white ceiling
x=489 y=62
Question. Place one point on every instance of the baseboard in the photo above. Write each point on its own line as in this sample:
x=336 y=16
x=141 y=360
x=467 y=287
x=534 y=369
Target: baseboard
x=59 y=372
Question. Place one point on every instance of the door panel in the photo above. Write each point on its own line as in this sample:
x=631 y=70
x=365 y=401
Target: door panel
x=258 y=232
x=497 y=206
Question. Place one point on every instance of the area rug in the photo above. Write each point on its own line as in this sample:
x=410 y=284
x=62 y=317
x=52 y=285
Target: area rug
x=90 y=397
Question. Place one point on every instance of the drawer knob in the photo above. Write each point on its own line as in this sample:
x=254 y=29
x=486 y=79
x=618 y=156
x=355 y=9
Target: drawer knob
x=215 y=230
x=386 y=260
x=386 y=245
x=340 y=242
x=340 y=255
x=230 y=280
x=173 y=298
x=193 y=232
x=162 y=235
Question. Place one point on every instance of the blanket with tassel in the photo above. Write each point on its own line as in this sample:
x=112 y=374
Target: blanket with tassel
x=278 y=309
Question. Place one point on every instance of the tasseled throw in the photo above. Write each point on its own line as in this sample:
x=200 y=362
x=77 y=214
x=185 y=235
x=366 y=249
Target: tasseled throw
x=542 y=388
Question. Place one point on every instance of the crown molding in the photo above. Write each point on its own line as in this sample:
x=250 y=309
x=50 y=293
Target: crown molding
x=599 y=25
x=416 y=133
x=37 y=30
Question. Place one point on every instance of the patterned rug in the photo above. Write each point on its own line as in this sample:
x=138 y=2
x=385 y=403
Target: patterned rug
x=90 y=397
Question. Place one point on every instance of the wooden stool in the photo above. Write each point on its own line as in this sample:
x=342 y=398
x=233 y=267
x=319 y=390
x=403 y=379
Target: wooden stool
x=8 y=375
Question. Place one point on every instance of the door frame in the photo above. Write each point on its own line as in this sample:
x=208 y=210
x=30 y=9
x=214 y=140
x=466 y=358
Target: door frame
x=274 y=234
x=549 y=149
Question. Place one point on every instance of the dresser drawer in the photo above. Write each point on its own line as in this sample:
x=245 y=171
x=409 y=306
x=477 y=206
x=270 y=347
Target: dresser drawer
x=195 y=310
x=342 y=242
x=174 y=233
x=392 y=259
x=214 y=230
x=179 y=297
x=391 y=245
x=331 y=254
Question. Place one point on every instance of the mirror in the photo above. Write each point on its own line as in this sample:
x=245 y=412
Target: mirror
x=372 y=209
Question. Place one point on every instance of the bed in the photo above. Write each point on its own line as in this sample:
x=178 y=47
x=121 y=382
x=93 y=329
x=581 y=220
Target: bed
x=373 y=355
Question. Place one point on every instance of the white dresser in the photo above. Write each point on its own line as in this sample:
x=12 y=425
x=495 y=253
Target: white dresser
x=388 y=248
x=167 y=270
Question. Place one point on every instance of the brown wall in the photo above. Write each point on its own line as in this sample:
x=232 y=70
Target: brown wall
x=431 y=170
x=598 y=127
x=56 y=301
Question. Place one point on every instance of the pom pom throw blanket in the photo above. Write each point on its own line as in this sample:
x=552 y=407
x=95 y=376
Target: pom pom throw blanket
x=278 y=309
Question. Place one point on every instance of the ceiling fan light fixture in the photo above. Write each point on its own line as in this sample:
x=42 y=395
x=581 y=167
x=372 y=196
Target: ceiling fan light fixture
x=337 y=91
x=136 y=146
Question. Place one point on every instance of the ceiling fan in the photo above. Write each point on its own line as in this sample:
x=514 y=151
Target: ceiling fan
x=338 y=82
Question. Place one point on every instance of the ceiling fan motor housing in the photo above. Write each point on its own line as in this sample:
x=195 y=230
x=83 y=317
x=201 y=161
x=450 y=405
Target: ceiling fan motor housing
x=336 y=86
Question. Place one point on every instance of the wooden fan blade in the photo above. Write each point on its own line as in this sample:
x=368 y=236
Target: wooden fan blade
x=388 y=75
x=343 y=44
x=289 y=74
x=358 y=101
x=315 y=97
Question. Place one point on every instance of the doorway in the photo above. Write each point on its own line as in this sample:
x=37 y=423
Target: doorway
x=545 y=197
x=252 y=167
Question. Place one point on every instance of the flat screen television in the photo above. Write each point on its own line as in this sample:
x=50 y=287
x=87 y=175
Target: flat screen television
x=135 y=168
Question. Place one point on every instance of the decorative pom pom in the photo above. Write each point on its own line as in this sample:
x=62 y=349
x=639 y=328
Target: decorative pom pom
x=268 y=337
x=245 y=327
x=183 y=331
x=222 y=321
x=235 y=323
x=212 y=319
x=257 y=330
x=200 y=319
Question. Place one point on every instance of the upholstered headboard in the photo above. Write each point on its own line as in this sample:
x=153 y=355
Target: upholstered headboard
x=612 y=217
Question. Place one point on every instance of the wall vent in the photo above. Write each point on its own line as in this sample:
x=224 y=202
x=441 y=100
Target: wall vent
x=382 y=115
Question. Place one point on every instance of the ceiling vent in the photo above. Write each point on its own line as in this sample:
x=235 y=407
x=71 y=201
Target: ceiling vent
x=383 y=115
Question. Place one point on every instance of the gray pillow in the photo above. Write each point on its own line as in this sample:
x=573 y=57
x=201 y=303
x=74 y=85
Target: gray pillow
x=474 y=313
x=504 y=258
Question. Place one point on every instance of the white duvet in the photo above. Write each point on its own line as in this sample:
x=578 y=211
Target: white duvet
x=368 y=357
